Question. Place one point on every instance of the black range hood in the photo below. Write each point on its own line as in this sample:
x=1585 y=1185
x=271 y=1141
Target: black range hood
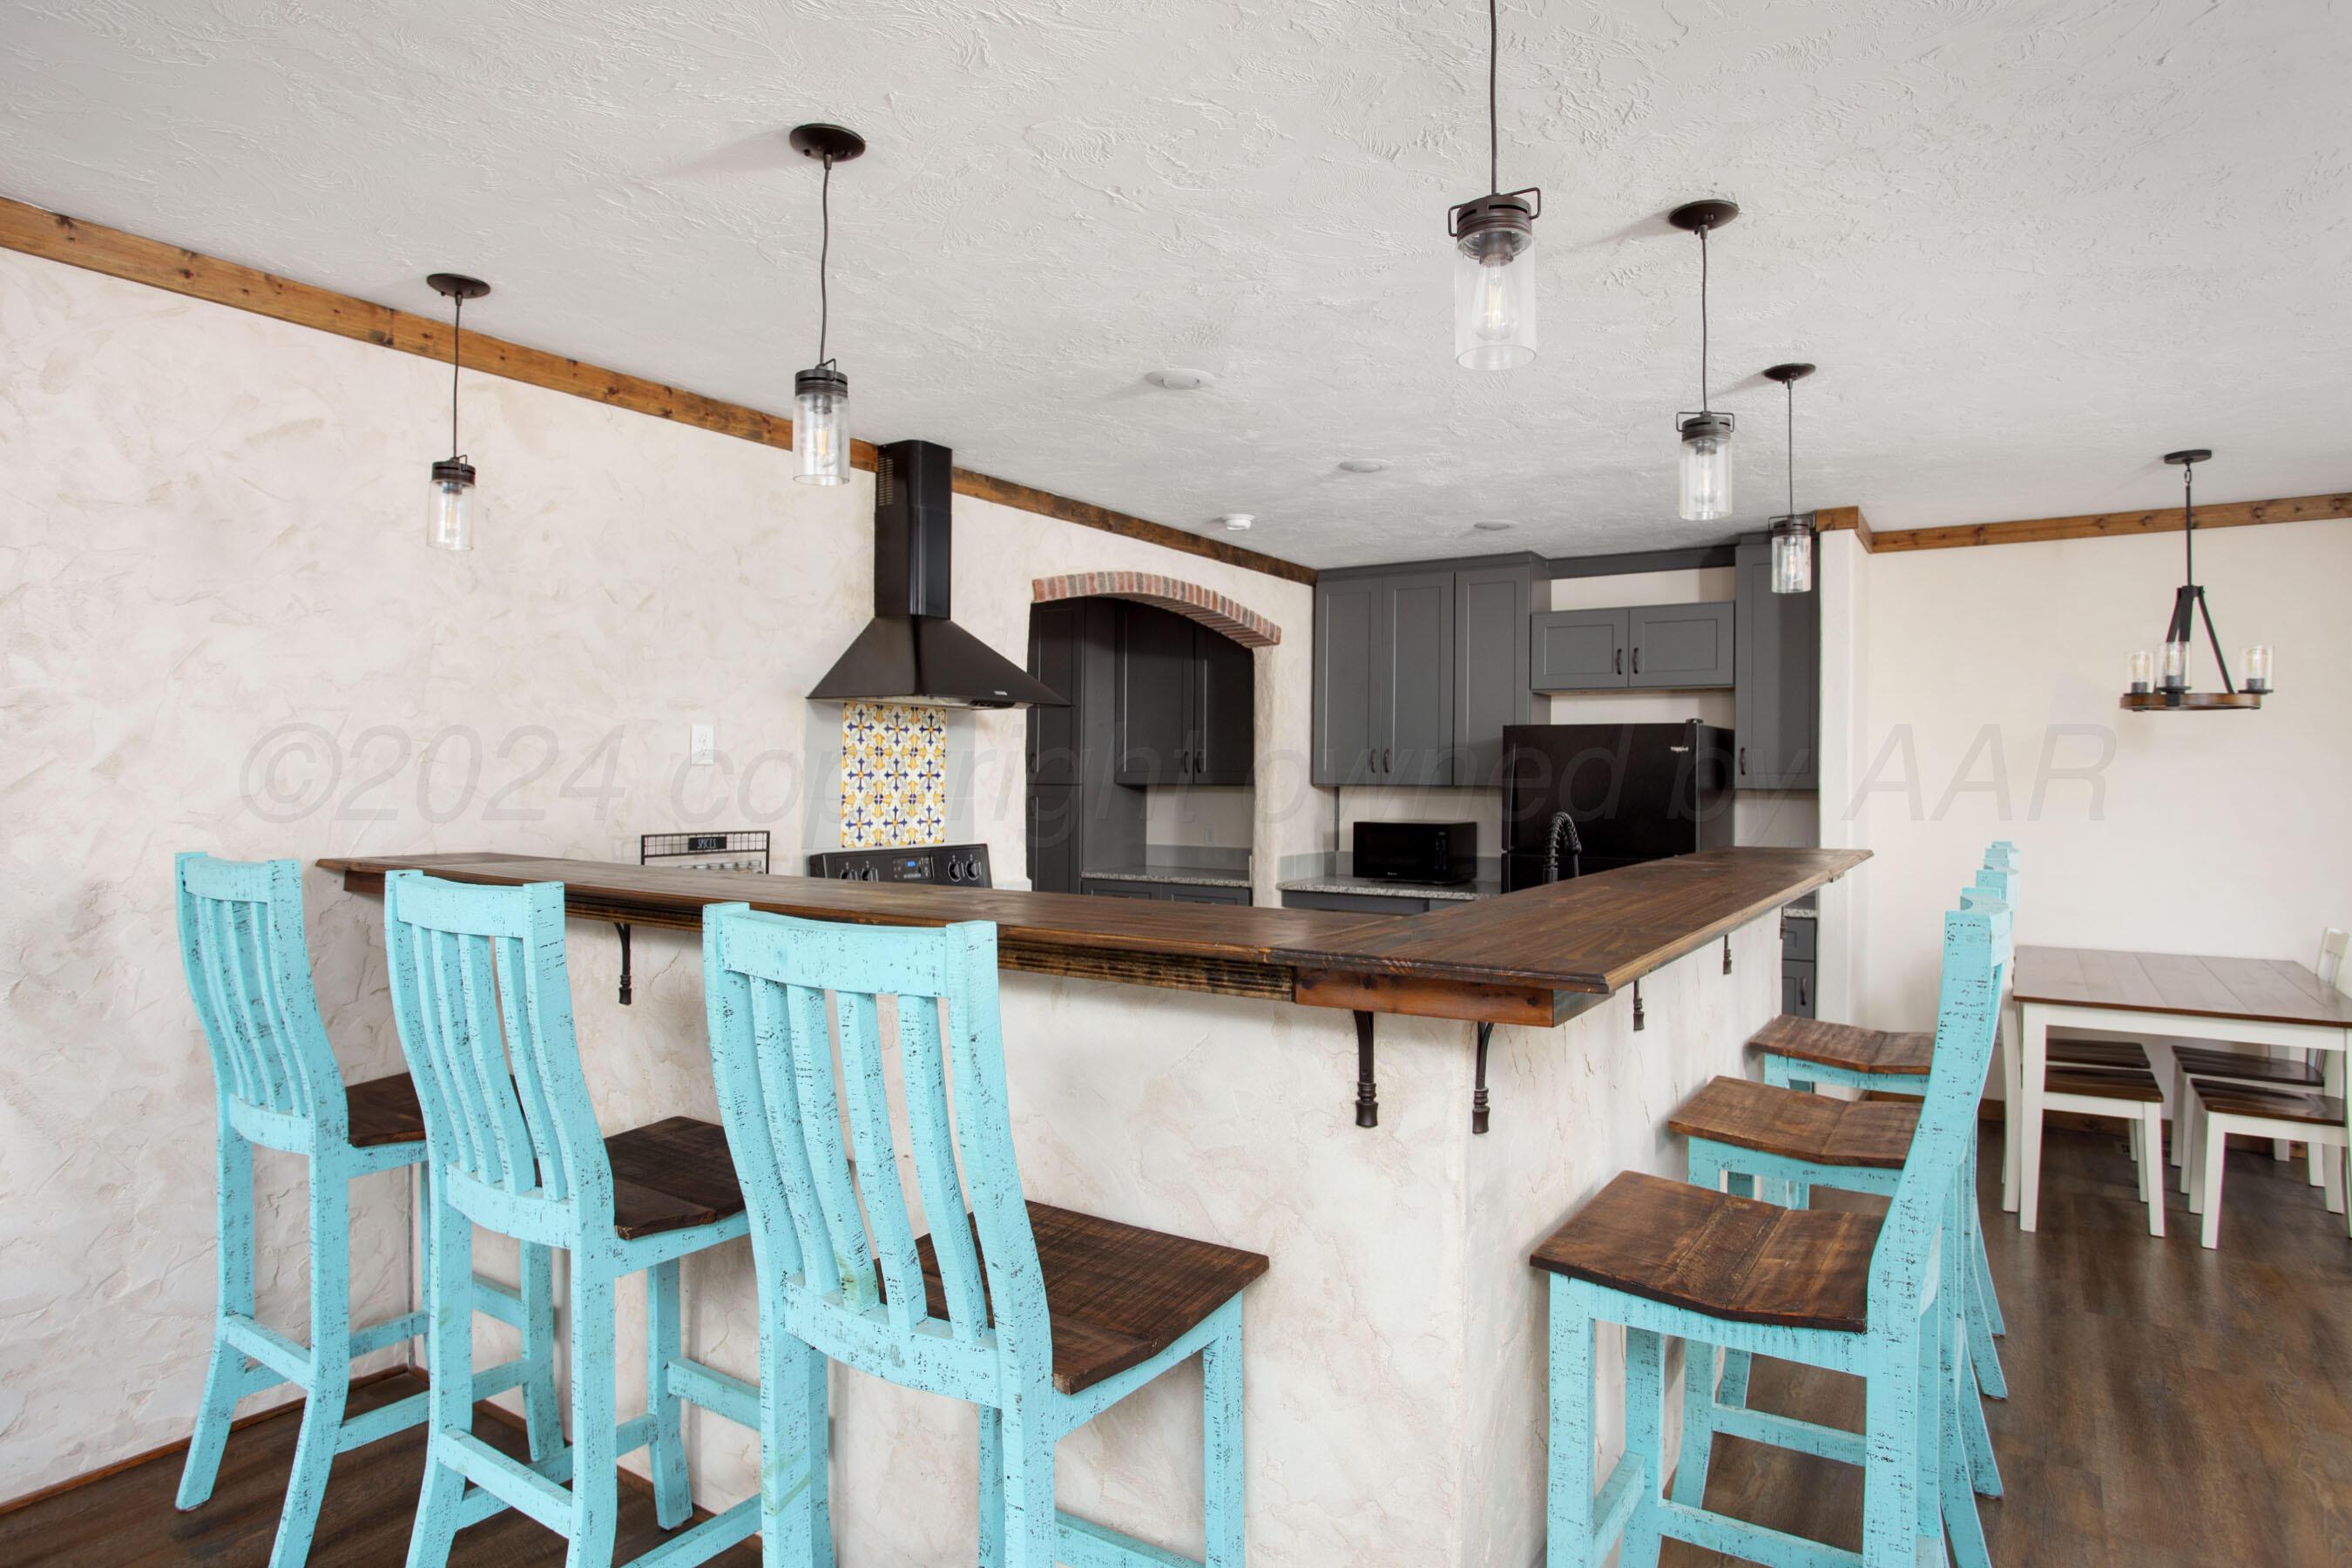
x=912 y=652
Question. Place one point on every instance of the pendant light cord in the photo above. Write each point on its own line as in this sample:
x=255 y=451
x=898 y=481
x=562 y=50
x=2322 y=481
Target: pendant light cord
x=1790 y=386
x=1702 y=317
x=457 y=350
x=823 y=258
x=1494 y=115
x=2188 y=520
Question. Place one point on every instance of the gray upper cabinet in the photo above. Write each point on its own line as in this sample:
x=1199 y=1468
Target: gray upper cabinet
x=1187 y=701
x=1413 y=688
x=1490 y=662
x=1577 y=650
x=1680 y=645
x=1777 y=698
x=1660 y=646
x=1347 y=649
x=1418 y=668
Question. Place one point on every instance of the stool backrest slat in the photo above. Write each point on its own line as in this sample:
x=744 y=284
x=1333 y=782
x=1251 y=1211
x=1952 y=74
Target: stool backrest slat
x=248 y=971
x=828 y=1207
x=483 y=1001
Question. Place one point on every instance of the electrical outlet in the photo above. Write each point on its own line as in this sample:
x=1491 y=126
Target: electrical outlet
x=702 y=747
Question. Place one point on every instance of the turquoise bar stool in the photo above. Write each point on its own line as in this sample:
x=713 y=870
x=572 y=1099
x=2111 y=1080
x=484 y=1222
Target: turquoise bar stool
x=1842 y=1291
x=1042 y=1317
x=1788 y=1140
x=1803 y=1053
x=484 y=1005
x=276 y=1085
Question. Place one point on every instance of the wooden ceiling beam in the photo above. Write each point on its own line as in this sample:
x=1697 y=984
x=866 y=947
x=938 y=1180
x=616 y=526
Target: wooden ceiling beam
x=2119 y=524
x=36 y=231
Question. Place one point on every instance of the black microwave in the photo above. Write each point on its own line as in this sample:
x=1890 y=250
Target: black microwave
x=1417 y=852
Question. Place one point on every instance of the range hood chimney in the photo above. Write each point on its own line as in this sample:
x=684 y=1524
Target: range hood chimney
x=912 y=652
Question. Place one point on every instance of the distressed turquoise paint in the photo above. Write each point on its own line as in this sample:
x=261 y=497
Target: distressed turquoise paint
x=766 y=980
x=1914 y=1494
x=276 y=1084
x=484 y=1004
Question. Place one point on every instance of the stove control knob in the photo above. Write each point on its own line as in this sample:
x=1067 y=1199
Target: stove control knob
x=847 y=873
x=871 y=874
x=955 y=871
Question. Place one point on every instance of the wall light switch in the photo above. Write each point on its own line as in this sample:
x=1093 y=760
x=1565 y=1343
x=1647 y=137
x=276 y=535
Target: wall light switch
x=703 y=747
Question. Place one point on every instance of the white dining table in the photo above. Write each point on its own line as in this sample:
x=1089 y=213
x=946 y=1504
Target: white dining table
x=2256 y=1002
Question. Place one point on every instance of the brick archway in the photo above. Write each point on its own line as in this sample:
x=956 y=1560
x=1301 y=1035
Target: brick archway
x=1212 y=610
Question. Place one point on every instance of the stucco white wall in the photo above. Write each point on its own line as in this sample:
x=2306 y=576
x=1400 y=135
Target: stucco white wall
x=2216 y=833
x=223 y=631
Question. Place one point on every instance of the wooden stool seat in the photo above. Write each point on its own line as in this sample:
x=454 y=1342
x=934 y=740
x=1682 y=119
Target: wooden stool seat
x=2103 y=1083
x=1795 y=1125
x=1728 y=1257
x=1847 y=1047
x=2099 y=1053
x=2244 y=1067
x=671 y=1174
x=383 y=1111
x=1118 y=1294
x=2308 y=1110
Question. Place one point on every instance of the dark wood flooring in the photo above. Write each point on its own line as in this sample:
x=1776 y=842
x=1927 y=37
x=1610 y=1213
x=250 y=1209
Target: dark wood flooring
x=2168 y=1406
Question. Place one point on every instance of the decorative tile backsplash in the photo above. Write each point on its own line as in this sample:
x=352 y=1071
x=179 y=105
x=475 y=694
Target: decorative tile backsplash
x=894 y=776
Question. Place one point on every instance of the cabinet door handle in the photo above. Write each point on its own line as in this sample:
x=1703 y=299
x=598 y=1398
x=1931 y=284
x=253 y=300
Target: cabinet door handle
x=1743 y=761
x=1621 y=662
x=1804 y=993
x=1637 y=661
x=1388 y=760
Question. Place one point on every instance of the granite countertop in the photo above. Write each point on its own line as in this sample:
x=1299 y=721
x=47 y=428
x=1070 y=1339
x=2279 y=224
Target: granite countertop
x=1184 y=876
x=1384 y=888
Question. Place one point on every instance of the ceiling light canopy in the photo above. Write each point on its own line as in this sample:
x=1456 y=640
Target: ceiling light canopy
x=452 y=504
x=1706 y=434
x=1792 y=531
x=821 y=393
x=1176 y=380
x=2154 y=687
x=1494 y=283
x=1362 y=465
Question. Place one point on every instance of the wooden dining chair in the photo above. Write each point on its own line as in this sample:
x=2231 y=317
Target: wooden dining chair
x=483 y=1000
x=2216 y=1107
x=1042 y=1317
x=275 y=1086
x=2294 y=1072
x=1833 y=1288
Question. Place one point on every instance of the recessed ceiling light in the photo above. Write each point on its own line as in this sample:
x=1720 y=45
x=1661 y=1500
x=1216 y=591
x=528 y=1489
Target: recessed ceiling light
x=1494 y=525
x=1362 y=465
x=1181 y=379
x=1237 y=521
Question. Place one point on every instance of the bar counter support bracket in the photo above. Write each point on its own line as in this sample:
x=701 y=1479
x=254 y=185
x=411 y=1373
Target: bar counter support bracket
x=1726 y=953
x=1478 y=1087
x=1368 y=1091
x=627 y=990
x=1641 y=1018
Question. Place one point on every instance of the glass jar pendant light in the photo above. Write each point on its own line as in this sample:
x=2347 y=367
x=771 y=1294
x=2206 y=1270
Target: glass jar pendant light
x=1706 y=432
x=821 y=393
x=452 y=504
x=1493 y=282
x=1792 y=530
x=2158 y=682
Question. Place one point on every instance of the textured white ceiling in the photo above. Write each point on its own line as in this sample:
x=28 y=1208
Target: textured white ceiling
x=2031 y=243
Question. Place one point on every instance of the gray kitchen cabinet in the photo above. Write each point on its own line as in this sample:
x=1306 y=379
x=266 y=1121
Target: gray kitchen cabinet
x=1347 y=648
x=1412 y=687
x=1490 y=662
x=1578 y=650
x=1356 y=903
x=1610 y=648
x=1777 y=678
x=1680 y=645
x=1163 y=892
x=1417 y=669
x=1187 y=701
x=1800 y=953
x=1077 y=816
x=1797 y=997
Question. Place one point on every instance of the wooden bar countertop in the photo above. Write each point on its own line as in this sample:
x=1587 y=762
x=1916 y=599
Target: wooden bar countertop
x=1534 y=957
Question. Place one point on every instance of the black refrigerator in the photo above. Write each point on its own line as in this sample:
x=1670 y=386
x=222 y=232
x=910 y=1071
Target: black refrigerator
x=1633 y=793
